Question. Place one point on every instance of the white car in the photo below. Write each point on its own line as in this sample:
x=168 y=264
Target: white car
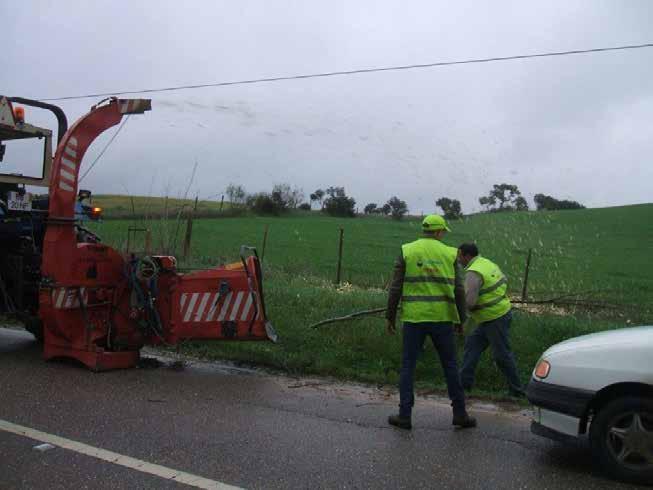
x=601 y=385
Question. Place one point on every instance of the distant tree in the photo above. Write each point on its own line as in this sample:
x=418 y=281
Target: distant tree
x=397 y=207
x=263 y=203
x=565 y=204
x=338 y=203
x=317 y=196
x=507 y=196
x=504 y=194
x=521 y=204
x=386 y=209
x=296 y=197
x=287 y=197
x=305 y=206
x=487 y=202
x=280 y=198
x=370 y=208
x=451 y=207
x=236 y=194
x=335 y=191
x=544 y=202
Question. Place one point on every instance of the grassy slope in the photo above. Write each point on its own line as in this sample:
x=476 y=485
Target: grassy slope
x=573 y=251
x=361 y=350
x=117 y=206
x=587 y=249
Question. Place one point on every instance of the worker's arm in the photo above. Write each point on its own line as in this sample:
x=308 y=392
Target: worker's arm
x=459 y=292
x=394 y=292
x=473 y=283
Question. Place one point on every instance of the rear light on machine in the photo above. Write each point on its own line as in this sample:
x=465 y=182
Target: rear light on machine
x=542 y=369
x=19 y=114
x=96 y=213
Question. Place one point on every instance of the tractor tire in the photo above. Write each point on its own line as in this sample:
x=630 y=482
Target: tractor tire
x=34 y=326
x=621 y=439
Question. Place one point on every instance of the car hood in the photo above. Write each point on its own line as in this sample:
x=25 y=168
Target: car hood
x=639 y=336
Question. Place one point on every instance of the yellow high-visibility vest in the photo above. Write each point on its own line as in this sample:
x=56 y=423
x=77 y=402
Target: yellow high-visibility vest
x=428 y=290
x=492 y=301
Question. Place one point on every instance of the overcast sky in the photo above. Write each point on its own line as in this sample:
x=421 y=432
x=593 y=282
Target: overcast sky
x=574 y=127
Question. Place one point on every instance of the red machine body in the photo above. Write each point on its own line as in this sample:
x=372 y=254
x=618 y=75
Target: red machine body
x=101 y=308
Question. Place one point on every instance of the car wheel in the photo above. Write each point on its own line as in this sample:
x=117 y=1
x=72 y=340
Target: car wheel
x=621 y=437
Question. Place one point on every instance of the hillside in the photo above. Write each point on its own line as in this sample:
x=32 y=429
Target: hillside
x=600 y=252
x=117 y=206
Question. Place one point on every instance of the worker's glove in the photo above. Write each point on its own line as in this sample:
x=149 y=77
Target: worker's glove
x=458 y=329
x=390 y=327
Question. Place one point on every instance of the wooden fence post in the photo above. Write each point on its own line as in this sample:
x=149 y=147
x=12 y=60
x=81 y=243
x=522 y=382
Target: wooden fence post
x=265 y=241
x=148 y=241
x=342 y=231
x=524 y=291
x=189 y=232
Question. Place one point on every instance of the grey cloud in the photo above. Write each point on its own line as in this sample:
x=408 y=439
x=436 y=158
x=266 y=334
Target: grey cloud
x=570 y=126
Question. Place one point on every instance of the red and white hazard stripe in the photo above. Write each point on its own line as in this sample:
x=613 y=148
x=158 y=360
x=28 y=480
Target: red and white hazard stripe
x=68 y=298
x=68 y=169
x=208 y=307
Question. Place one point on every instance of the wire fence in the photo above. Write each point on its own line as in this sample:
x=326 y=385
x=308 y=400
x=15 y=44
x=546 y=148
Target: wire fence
x=362 y=252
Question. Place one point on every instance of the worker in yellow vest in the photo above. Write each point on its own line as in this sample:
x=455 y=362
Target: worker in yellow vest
x=490 y=309
x=429 y=283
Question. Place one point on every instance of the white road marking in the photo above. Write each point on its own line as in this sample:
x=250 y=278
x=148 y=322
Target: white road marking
x=115 y=458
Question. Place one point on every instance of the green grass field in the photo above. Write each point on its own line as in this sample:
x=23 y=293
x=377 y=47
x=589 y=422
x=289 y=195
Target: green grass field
x=600 y=252
x=117 y=206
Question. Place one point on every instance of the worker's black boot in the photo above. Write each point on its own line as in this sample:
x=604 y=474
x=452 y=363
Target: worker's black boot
x=400 y=421
x=463 y=420
x=517 y=393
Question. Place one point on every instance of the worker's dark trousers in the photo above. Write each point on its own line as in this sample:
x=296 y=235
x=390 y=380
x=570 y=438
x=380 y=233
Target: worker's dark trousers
x=441 y=334
x=495 y=334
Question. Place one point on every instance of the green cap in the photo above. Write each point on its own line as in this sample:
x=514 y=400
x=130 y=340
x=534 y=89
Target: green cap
x=434 y=222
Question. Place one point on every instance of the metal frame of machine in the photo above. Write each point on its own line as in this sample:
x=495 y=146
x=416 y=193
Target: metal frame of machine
x=100 y=307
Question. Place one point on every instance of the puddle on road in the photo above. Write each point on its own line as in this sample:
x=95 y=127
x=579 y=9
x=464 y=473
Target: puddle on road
x=363 y=395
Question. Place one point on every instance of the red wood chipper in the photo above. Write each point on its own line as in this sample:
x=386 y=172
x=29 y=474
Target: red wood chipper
x=85 y=299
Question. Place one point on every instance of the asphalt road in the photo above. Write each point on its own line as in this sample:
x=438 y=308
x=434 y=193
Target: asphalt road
x=256 y=430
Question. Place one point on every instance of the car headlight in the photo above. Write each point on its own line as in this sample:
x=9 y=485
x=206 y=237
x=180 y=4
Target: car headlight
x=542 y=369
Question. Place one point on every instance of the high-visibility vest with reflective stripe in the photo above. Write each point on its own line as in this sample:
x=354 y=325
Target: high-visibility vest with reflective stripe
x=428 y=290
x=492 y=300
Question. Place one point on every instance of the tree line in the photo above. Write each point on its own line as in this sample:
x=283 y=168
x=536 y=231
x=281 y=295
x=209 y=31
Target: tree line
x=506 y=197
x=334 y=201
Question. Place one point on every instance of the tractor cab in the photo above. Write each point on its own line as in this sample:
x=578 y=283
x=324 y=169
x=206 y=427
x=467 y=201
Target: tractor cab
x=26 y=152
